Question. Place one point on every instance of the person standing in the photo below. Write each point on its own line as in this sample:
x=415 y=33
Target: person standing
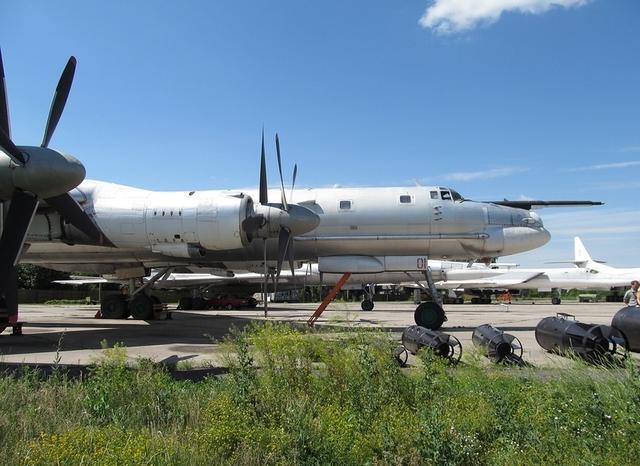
x=631 y=296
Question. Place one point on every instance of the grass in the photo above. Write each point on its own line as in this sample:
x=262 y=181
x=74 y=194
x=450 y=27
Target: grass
x=294 y=397
x=67 y=301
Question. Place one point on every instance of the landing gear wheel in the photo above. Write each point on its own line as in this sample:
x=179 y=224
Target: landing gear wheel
x=198 y=304
x=430 y=315
x=114 y=307
x=141 y=307
x=555 y=300
x=185 y=303
x=367 y=305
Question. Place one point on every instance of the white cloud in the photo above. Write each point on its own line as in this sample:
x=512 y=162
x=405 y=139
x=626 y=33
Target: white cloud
x=452 y=16
x=606 y=166
x=483 y=175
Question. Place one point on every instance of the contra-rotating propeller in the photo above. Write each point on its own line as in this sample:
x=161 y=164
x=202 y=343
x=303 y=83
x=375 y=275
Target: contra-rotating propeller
x=31 y=173
x=283 y=220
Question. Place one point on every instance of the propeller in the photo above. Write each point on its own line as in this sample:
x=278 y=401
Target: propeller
x=283 y=220
x=37 y=173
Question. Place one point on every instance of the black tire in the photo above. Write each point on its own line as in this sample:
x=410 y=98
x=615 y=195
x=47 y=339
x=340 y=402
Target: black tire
x=367 y=305
x=460 y=300
x=114 y=307
x=253 y=302
x=430 y=315
x=185 y=303
x=198 y=304
x=555 y=300
x=229 y=307
x=141 y=307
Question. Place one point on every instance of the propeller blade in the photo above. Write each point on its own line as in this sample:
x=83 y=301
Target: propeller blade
x=59 y=100
x=4 y=105
x=283 y=198
x=264 y=196
x=9 y=147
x=293 y=183
x=76 y=216
x=283 y=244
x=291 y=257
x=21 y=211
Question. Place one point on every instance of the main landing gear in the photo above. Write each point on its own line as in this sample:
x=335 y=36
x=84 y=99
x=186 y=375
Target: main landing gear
x=138 y=303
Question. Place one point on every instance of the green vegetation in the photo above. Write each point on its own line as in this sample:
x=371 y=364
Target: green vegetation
x=295 y=397
x=68 y=301
x=33 y=277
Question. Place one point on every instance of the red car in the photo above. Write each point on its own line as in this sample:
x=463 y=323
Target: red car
x=228 y=302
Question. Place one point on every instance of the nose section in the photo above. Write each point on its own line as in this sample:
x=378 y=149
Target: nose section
x=522 y=239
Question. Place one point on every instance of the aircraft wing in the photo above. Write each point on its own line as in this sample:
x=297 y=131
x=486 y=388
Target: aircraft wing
x=528 y=205
x=78 y=280
x=506 y=280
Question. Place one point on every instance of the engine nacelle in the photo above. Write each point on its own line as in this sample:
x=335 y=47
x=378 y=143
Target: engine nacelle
x=175 y=225
x=219 y=222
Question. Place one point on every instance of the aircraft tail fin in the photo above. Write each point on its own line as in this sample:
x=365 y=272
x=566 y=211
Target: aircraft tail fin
x=583 y=259
x=580 y=252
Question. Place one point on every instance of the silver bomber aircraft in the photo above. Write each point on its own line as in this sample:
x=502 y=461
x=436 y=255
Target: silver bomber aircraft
x=106 y=228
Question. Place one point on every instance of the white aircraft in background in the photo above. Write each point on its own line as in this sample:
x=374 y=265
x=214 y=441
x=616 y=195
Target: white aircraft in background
x=587 y=274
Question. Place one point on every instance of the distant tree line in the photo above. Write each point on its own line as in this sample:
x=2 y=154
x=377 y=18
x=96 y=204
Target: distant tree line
x=32 y=277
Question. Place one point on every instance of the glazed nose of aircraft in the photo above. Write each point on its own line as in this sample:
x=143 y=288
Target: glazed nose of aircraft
x=522 y=239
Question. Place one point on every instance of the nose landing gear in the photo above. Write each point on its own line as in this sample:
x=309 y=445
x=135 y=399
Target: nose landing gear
x=430 y=314
x=367 y=303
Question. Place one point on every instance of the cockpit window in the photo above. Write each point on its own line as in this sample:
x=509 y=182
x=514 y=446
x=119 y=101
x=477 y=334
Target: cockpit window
x=456 y=196
x=434 y=195
x=446 y=195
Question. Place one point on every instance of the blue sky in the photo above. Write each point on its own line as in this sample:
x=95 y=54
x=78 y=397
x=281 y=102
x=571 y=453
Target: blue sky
x=532 y=101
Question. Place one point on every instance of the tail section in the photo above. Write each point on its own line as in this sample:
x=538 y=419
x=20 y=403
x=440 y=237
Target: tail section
x=581 y=255
x=583 y=259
